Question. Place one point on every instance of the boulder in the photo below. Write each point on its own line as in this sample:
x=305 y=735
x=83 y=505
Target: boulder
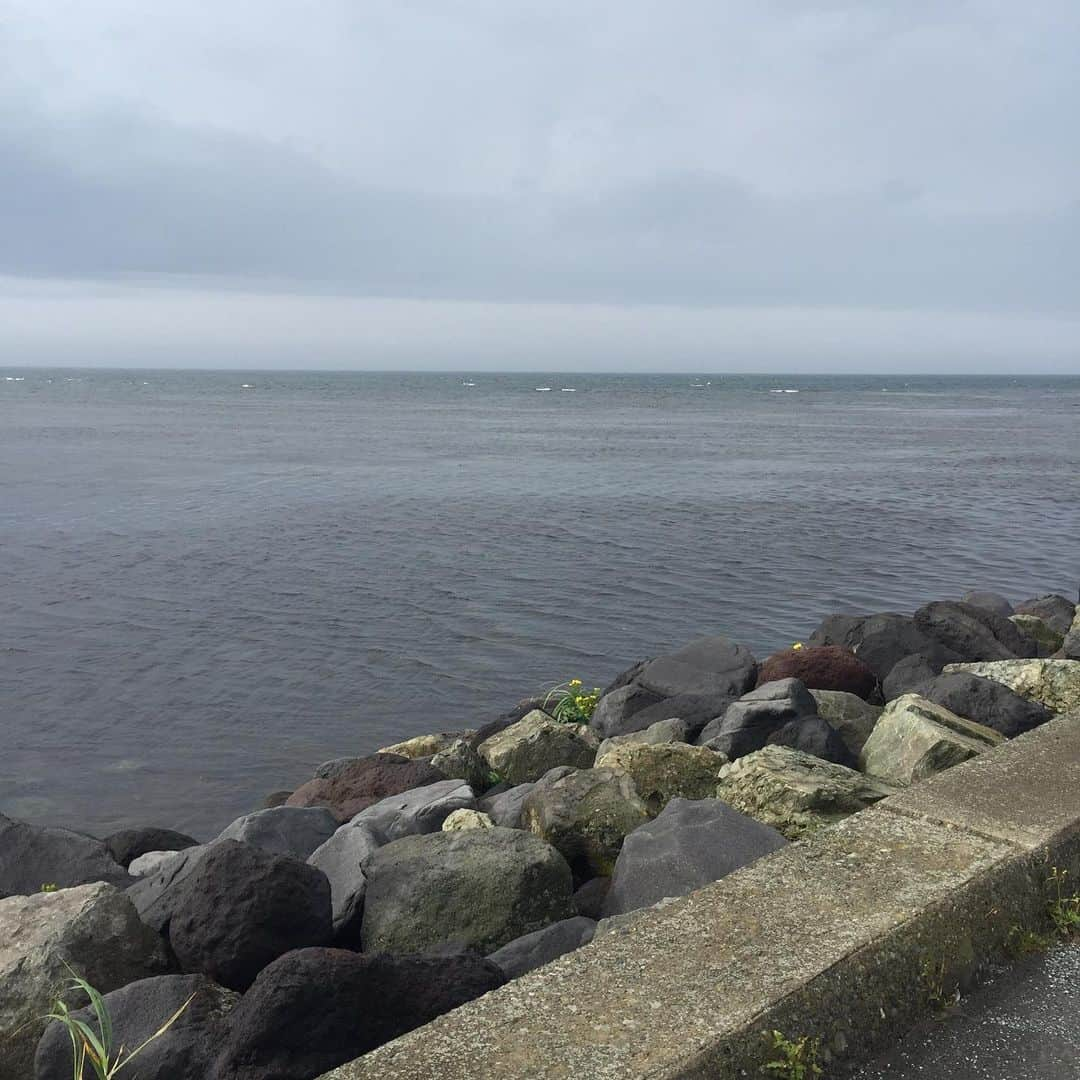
x=542 y=946
x=881 y=641
x=185 y=1051
x=526 y=750
x=461 y=761
x=1057 y=612
x=1046 y=638
x=1070 y=646
x=661 y=772
x=624 y=678
x=914 y=739
x=421 y=810
x=849 y=716
x=820 y=667
x=341 y=859
x=1053 y=683
x=972 y=633
x=92 y=930
x=796 y=793
x=154 y=894
x=286 y=830
x=128 y=844
x=585 y=815
x=693 y=710
x=986 y=702
x=36 y=855
x=423 y=746
x=590 y=898
x=314 y=1009
x=360 y=782
x=467 y=819
x=689 y=845
x=812 y=735
x=673 y=730
x=152 y=861
x=988 y=601
x=477 y=889
x=242 y=907
x=909 y=673
x=615 y=711
x=707 y=667
x=505 y=808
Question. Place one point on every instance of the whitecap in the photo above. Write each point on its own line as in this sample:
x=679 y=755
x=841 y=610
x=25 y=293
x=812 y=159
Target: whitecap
x=569 y=389
x=543 y=388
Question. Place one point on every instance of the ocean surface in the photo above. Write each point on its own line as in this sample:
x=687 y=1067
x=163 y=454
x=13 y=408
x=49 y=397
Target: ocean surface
x=210 y=587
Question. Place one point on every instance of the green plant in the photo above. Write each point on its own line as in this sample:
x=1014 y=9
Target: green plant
x=95 y=1048
x=1021 y=942
x=798 y=1058
x=50 y=886
x=1063 y=908
x=933 y=980
x=572 y=705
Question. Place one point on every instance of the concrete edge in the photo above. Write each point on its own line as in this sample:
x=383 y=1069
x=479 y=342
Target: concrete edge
x=848 y=937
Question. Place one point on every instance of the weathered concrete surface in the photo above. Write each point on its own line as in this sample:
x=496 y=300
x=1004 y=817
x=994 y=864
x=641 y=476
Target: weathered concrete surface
x=839 y=937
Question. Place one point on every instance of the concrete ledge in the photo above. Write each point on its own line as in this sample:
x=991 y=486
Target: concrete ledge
x=846 y=936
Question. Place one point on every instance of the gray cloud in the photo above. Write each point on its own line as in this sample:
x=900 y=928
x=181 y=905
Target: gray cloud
x=792 y=155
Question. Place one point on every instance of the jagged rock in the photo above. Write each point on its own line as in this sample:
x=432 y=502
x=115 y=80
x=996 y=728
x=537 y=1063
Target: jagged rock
x=794 y=792
x=422 y=746
x=92 y=930
x=477 y=889
x=690 y=844
x=36 y=855
x=526 y=750
x=1053 y=683
x=820 y=667
x=242 y=907
x=881 y=641
x=421 y=810
x=1048 y=640
x=661 y=772
x=460 y=820
x=287 y=830
x=315 y=1009
x=585 y=815
x=673 y=730
x=461 y=761
x=988 y=601
x=852 y=718
x=914 y=739
x=185 y=1051
x=542 y=946
x=361 y=782
x=341 y=859
x=907 y=675
x=972 y=633
x=1057 y=612
x=128 y=844
x=986 y=702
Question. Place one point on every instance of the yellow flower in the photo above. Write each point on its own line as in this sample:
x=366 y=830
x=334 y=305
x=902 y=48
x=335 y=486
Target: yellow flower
x=575 y=682
x=797 y=645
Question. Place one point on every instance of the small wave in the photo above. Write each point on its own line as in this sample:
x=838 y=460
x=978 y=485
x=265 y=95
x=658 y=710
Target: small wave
x=247 y=386
x=543 y=389
x=569 y=389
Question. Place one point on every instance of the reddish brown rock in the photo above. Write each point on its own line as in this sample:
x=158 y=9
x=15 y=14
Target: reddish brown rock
x=820 y=667
x=364 y=781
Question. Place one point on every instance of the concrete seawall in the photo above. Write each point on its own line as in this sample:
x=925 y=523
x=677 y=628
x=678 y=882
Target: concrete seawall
x=849 y=937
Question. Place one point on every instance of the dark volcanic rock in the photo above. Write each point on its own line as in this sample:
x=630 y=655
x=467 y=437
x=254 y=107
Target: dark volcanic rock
x=35 y=855
x=129 y=844
x=820 y=667
x=154 y=895
x=909 y=673
x=973 y=633
x=985 y=701
x=704 y=668
x=988 y=601
x=590 y=898
x=242 y=907
x=1057 y=612
x=184 y=1052
x=615 y=711
x=314 y=1009
x=748 y=722
x=815 y=736
x=625 y=677
x=286 y=830
x=882 y=641
x=363 y=782
x=689 y=844
x=542 y=946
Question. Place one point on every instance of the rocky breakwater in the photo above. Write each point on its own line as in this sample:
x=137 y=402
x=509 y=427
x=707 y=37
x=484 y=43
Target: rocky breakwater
x=395 y=886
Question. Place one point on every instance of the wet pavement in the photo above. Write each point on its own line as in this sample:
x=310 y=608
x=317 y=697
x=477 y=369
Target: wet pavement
x=1023 y=1024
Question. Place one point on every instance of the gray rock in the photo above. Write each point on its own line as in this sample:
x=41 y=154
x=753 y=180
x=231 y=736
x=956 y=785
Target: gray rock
x=36 y=855
x=461 y=761
x=881 y=641
x=92 y=929
x=851 y=717
x=907 y=675
x=1048 y=640
x=694 y=710
x=505 y=808
x=986 y=702
x=478 y=889
x=154 y=894
x=287 y=830
x=616 y=709
x=1057 y=612
x=1070 y=647
x=341 y=859
x=661 y=772
x=973 y=633
x=128 y=844
x=526 y=750
x=689 y=845
x=1053 y=683
x=186 y=1051
x=812 y=735
x=706 y=667
x=748 y=722
x=590 y=898
x=673 y=730
x=421 y=810
x=988 y=601
x=585 y=816
x=542 y=946
x=152 y=861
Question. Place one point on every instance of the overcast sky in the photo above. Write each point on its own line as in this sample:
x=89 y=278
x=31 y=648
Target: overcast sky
x=683 y=184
